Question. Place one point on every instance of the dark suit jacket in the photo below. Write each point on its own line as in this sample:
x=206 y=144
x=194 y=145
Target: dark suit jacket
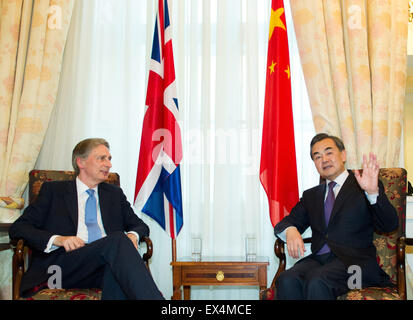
x=349 y=233
x=55 y=212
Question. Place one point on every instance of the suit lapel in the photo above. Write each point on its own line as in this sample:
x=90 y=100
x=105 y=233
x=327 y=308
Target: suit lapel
x=320 y=205
x=105 y=203
x=346 y=190
x=70 y=197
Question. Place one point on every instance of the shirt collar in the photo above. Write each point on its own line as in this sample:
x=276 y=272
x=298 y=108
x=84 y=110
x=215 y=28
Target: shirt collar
x=340 y=179
x=81 y=187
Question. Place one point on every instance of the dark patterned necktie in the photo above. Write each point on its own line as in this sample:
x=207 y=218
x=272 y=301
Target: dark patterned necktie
x=328 y=207
x=329 y=203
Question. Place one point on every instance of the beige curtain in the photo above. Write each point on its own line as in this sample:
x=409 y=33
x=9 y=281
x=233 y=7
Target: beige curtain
x=354 y=55
x=32 y=40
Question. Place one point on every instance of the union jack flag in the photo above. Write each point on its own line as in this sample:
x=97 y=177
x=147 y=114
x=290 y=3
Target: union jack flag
x=158 y=179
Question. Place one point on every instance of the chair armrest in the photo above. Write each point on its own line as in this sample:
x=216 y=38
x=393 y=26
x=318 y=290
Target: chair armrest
x=18 y=266
x=402 y=242
x=407 y=241
x=149 y=250
x=279 y=250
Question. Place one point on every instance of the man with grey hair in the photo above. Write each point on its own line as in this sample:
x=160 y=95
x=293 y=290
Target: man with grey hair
x=342 y=213
x=88 y=229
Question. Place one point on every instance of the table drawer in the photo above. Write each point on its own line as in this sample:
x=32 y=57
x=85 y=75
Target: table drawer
x=220 y=275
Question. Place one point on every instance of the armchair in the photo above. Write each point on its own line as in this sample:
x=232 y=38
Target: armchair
x=390 y=246
x=21 y=256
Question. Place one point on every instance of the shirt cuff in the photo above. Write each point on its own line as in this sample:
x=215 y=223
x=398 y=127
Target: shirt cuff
x=283 y=235
x=136 y=234
x=50 y=246
x=372 y=197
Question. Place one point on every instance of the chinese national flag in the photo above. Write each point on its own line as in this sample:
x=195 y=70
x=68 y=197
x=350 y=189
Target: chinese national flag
x=278 y=169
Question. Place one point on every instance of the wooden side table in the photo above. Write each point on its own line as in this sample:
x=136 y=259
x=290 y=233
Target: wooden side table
x=217 y=271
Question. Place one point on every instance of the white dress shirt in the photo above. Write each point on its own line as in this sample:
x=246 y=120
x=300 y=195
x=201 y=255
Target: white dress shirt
x=82 y=231
x=82 y=197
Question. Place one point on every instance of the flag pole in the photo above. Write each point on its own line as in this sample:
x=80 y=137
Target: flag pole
x=173 y=250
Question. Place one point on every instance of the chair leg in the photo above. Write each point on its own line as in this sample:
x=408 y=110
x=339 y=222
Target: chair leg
x=279 y=251
x=18 y=269
x=401 y=267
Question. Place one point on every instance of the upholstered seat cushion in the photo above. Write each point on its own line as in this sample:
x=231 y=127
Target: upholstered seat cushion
x=67 y=294
x=372 y=293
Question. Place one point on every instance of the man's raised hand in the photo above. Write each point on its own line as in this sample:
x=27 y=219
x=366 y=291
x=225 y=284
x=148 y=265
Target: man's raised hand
x=368 y=181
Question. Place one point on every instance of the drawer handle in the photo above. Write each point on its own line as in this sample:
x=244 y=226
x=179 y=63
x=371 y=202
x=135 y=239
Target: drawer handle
x=220 y=276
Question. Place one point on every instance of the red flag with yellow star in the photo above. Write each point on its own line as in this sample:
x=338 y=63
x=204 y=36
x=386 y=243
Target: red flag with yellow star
x=278 y=169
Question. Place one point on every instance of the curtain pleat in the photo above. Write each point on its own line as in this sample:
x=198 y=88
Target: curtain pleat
x=354 y=56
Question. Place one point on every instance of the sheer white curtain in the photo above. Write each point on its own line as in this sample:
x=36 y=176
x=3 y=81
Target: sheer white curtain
x=220 y=50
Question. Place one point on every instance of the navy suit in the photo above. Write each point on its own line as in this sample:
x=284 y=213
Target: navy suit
x=349 y=233
x=111 y=263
